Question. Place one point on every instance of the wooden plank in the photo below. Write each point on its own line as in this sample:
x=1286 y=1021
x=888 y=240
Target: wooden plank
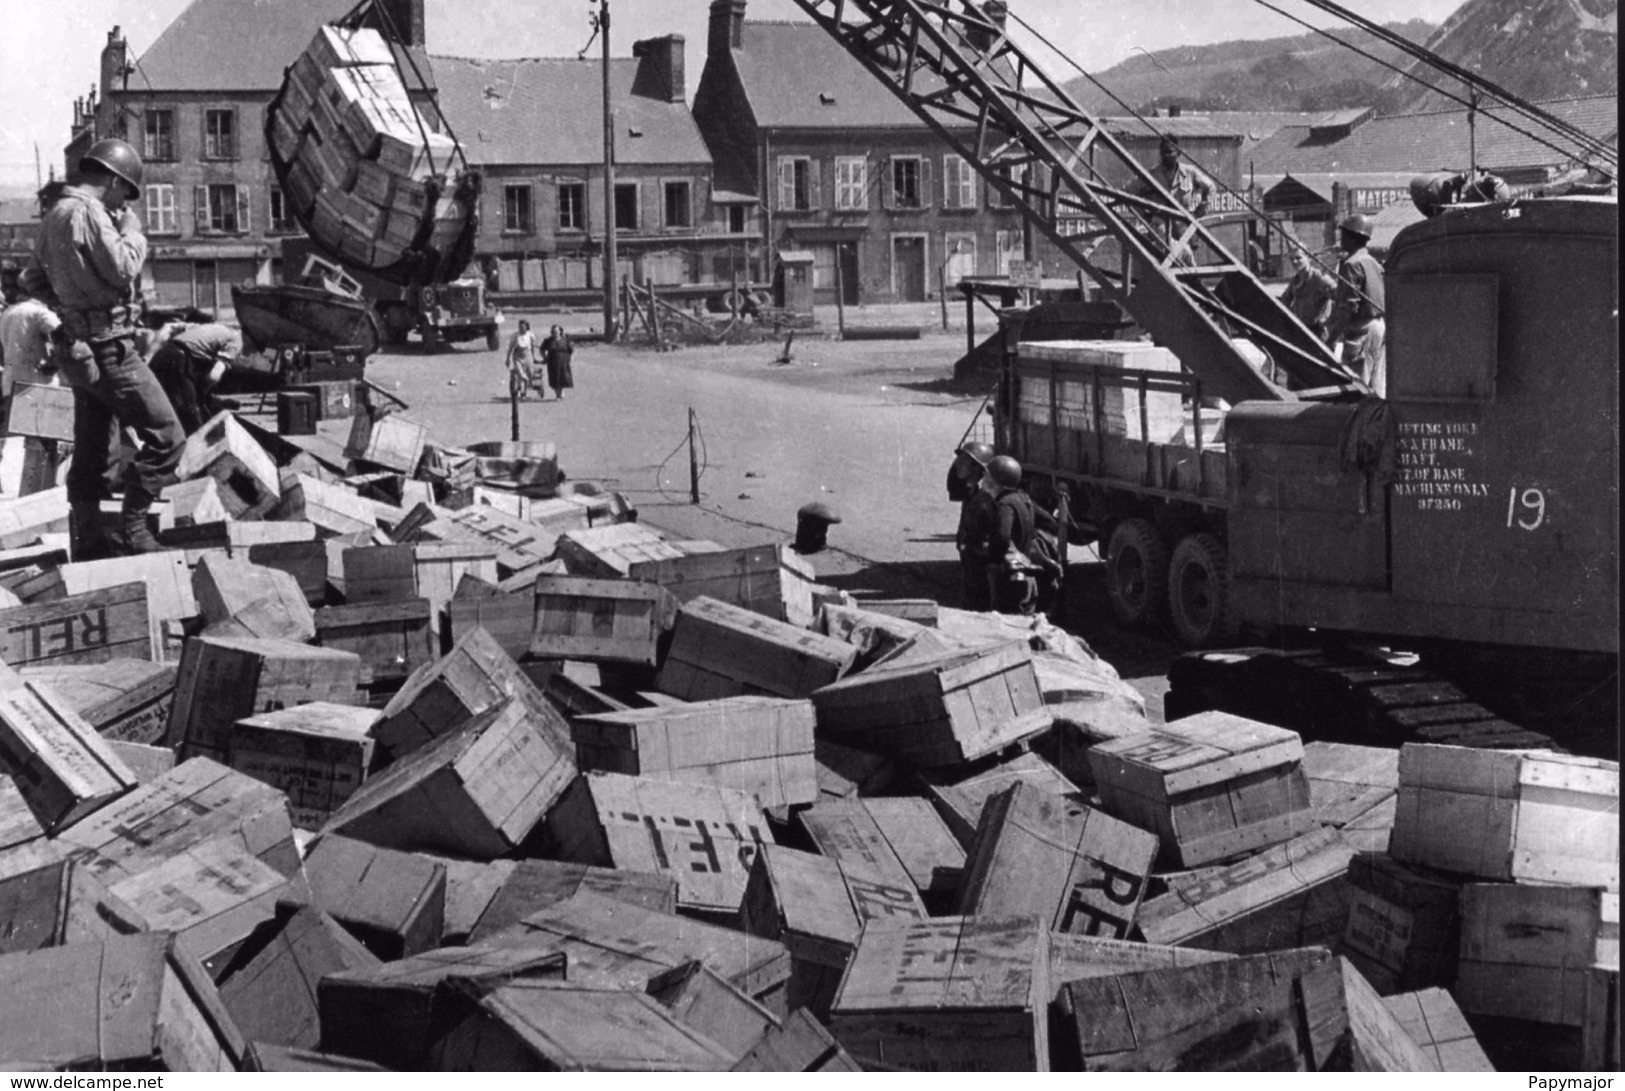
x=130 y=1002
x=846 y=831
x=533 y=885
x=471 y=886
x=265 y=1057
x=751 y=653
x=1435 y=1024
x=108 y=623
x=800 y=1045
x=477 y=792
x=704 y=837
x=58 y=762
x=391 y=639
x=845 y=772
x=710 y=1005
x=222 y=449
x=393 y=1013
x=125 y=700
x=23 y=519
x=1527 y=952
x=1290 y=895
x=1404 y=923
x=316 y=754
x=18 y=826
x=393 y=902
x=1505 y=815
x=148 y=763
x=754 y=744
x=265 y=601
x=1348 y=781
x=39 y=410
x=961 y=803
x=600 y=620
x=1075 y=868
x=928 y=851
x=192 y=504
x=951 y=993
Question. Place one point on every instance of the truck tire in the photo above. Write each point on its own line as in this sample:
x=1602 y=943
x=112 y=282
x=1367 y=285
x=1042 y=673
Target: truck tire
x=1199 y=601
x=1137 y=573
x=493 y=340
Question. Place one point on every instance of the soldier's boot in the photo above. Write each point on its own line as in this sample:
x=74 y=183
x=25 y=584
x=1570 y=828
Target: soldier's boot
x=87 y=541
x=138 y=537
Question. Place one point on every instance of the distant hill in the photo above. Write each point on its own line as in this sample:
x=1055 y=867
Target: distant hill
x=1540 y=49
x=1303 y=73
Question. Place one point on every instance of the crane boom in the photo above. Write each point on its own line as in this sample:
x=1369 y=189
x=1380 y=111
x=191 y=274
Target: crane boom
x=964 y=77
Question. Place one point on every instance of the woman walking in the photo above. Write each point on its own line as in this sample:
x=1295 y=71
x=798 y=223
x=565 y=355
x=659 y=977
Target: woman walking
x=521 y=357
x=556 y=352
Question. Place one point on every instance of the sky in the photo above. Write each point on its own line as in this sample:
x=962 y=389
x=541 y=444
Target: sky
x=49 y=51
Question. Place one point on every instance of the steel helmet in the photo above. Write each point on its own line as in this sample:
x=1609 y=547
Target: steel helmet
x=119 y=159
x=1358 y=223
x=1005 y=471
x=977 y=452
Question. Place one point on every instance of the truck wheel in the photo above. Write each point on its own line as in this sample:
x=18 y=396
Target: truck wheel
x=1199 y=600
x=492 y=340
x=1137 y=573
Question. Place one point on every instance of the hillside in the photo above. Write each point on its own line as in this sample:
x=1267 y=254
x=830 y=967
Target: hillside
x=1302 y=73
x=1540 y=49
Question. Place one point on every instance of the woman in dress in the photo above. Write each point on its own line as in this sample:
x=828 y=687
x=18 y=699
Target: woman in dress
x=556 y=351
x=521 y=356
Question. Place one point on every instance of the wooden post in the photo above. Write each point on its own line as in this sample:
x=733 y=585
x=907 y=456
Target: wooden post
x=654 y=314
x=626 y=309
x=693 y=462
x=970 y=321
x=840 y=293
x=733 y=296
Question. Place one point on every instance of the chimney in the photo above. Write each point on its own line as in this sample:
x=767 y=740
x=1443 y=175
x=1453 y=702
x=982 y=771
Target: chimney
x=115 y=62
x=660 y=68
x=406 y=17
x=997 y=11
x=727 y=27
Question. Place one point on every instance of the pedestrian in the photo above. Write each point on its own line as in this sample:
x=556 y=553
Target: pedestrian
x=1358 y=307
x=976 y=513
x=25 y=344
x=521 y=359
x=1309 y=293
x=1189 y=186
x=1012 y=570
x=556 y=351
x=190 y=363
x=1433 y=193
x=88 y=257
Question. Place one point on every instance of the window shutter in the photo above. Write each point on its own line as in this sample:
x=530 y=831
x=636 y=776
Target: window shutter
x=925 y=182
x=244 y=224
x=864 y=180
x=200 y=208
x=888 y=183
x=815 y=173
x=787 y=183
x=973 y=184
x=950 y=177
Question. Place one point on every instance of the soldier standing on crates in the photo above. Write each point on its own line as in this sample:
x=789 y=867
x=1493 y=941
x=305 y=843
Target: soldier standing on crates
x=89 y=255
x=1357 y=310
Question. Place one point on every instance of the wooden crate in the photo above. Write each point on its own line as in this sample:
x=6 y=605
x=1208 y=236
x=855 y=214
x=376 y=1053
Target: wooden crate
x=1435 y=1023
x=334 y=400
x=1291 y=1009
x=846 y=831
x=45 y=412
x=332 y=509
x=615 y=945
x=316 y=754
x=427 y=570
x=766 y=579
x=1539 y=953
x=924 y=845
x=62 y=767
x=392 y=639
x=942 y=711
x=704 y=837
x=125 y=700
x=713 y=1007
x=609 y=552
x=223 y=679
x=521 y=546
x=272 y=995
x=1349 y=782
x=800 y=1045
x=1509 y=815
x=148 y=763
x=599 y=620
x=533 y=885
x=719 y=650
x=474 y=676
x=510 y=619
x=18 y=826
x=471 y=885
x=60 y=1010
x=48 y=903
x=1404 y=923
x=394 y=442
x=212 y=896
x=961 y=803
x=194 y=503
x=845 y=772
x=264 y=601
x=108 y=623
x=250 y=485
x=553 y=1027
x=478 y=792
x=305 y=561
x=23 y=519
x=394 y=1012
x=1075 y=868
x=1211 y=786
x=817 y=907
x=197 y=801
x=393 y=902
x=762 y=745
x=1290 y=895
x=949 y=994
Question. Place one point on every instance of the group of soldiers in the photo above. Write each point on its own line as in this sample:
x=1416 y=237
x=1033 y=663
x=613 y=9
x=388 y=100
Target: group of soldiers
x=81 y=295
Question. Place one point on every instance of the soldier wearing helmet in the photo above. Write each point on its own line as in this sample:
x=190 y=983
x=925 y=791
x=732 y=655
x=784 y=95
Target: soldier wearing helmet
x=1357 y=309
x=1012 y=571
x=965 y=478
x=90 y=252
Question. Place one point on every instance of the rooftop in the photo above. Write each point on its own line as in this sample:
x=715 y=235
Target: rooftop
x=798 y=77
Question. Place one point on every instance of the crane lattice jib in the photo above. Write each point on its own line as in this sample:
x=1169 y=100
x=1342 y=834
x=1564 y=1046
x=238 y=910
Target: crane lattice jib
x=1026 y=137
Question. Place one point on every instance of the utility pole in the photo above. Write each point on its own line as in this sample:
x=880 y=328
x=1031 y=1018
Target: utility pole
x=611 y=271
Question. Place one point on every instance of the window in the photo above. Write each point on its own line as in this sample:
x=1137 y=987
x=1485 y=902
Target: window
x=516 y=215
x=851 y=183
x=738 y=222
x=907 y=182
x=220 y=134
x=158 y=137
x=679 y=209
x=221 y=210
x=572 y=206
x=160 y=202
x=798 y=183
x=281 y=215
x=995 y=196
x=958 y=183
x=626 y=206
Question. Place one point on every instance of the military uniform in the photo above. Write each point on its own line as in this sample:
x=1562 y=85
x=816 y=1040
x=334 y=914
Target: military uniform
x=1357 y=319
